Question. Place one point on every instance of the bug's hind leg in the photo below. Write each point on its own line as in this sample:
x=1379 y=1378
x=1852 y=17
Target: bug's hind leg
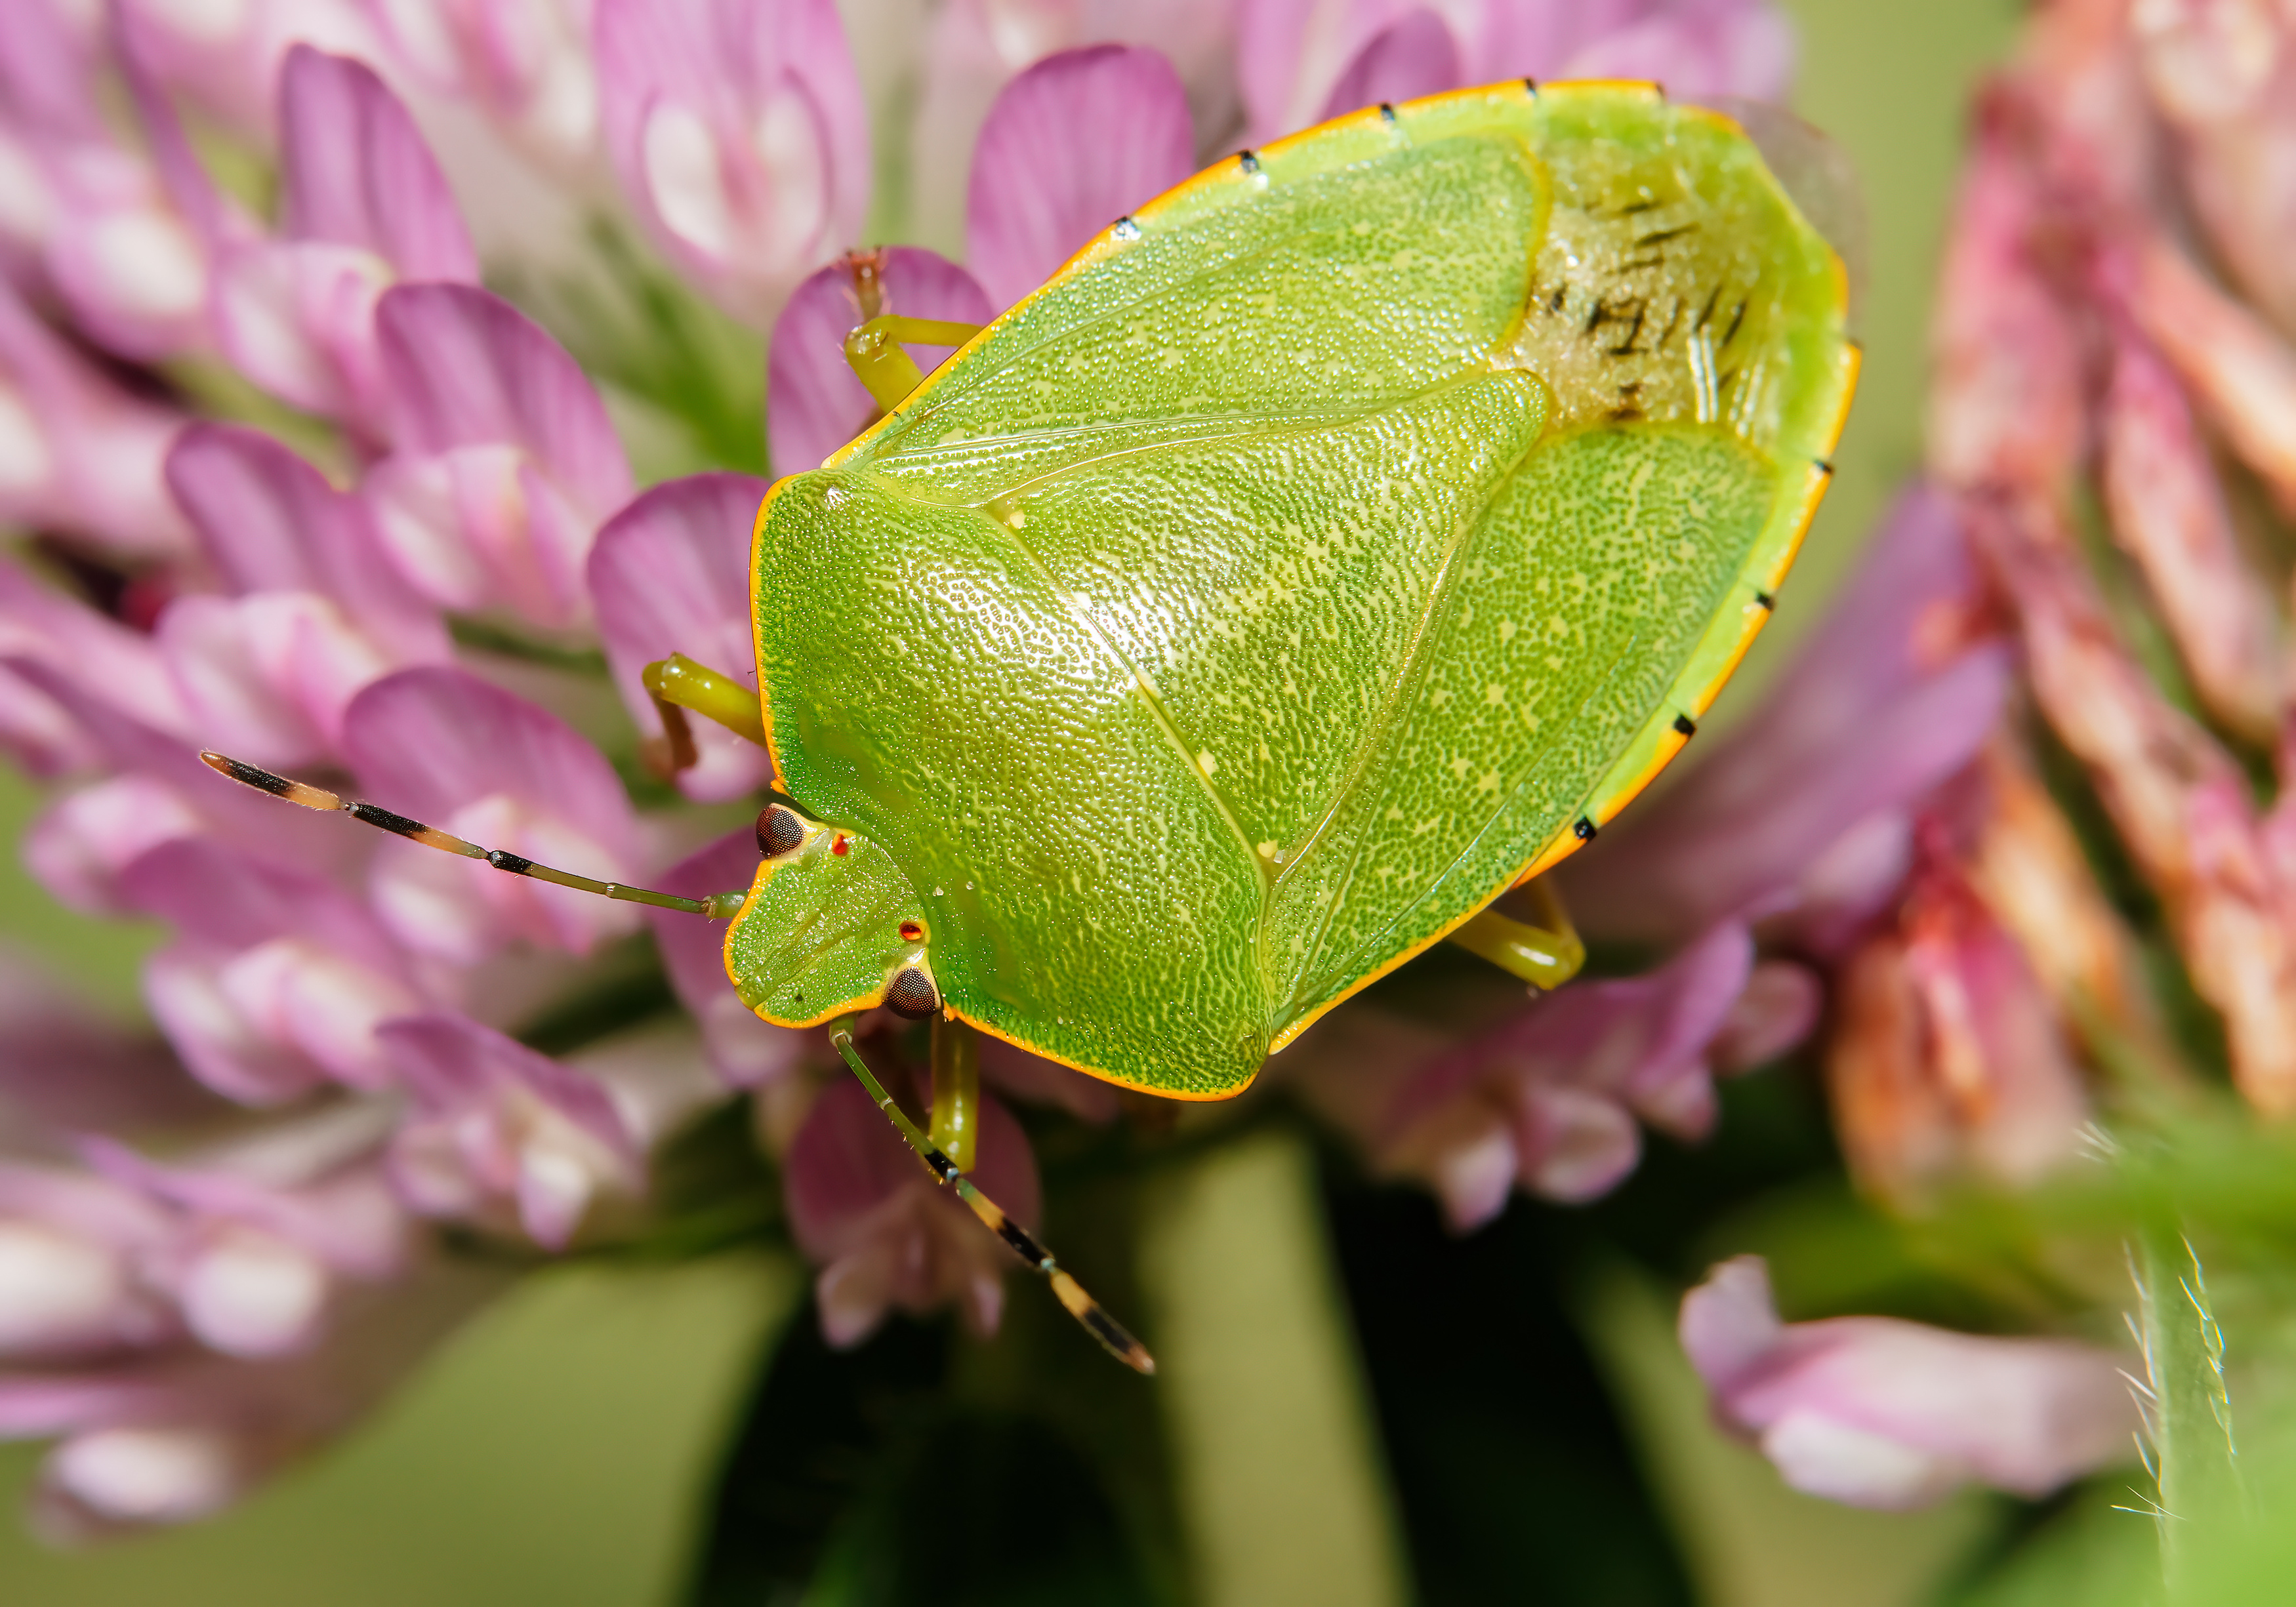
x=678 y=684
x=1106 y=1329
x=882 y=361
x=1545 y=956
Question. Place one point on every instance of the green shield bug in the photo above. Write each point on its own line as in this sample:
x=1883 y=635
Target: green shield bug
x=1333 y=543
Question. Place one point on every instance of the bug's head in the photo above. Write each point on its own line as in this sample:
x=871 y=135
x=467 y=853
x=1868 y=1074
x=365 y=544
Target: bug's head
x=831 y=927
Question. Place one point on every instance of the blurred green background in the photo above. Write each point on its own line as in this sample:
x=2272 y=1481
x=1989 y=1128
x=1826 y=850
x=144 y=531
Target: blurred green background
x=558 y=1450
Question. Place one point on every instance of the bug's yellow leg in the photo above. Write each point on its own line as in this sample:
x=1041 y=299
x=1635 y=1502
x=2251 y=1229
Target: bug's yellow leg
x=1106 y=1329
x=956 y=1090
x=678 y=684
x=718 y=906
x=883 y=362
x=1545 y=956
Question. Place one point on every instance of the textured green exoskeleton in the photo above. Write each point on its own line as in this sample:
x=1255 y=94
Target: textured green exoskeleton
x=1336 y=540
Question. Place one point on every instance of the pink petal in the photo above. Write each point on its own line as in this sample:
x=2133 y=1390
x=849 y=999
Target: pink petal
x=67 y=1067
x=1777 y=1010
x=355 y=171
x=813 y=404
x=525 y=64
x=1292 y=53
x=468 y=369
x=1573 y=1144
x=888 y=1236
x=268 y=676
x=746 y=1051
x=1876 y=1412
x=1071 y=145
x=1888 y=697
x=1412 y=56
x=442 y=746
x=270 y=522
x=506 y=462
x=230 y=900
x=1699 y=48
x=77 y=453
x=670 y=573
x=298 y=318
x=738 y=132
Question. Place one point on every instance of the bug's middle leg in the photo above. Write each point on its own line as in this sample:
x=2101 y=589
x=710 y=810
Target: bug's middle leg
x=956 y=1089
x=678 y=684
x=882 y=361
x=1545 y=956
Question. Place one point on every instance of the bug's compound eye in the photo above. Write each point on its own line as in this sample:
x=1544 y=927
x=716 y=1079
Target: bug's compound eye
x=779 y=830
x=913 y=995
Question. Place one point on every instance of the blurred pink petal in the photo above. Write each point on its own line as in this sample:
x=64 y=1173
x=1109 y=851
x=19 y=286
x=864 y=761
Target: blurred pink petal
x=70 y=1245
x=813 y=404
x=2236 y=366
x=228 y=59
x=1291 y=54
x=2235 y=931
x=746 y=1051
x=1806 y=806
x=77 y=453
x=1697 y=48
x=268 y=676
x=356 y=172
x=279 y=979
x=364 y=206
x=2008 y=404
x=176 y=1436
x=270 y=522
x=888 y=1237
x=1412 y=56
x=505 y=461
x=1875 y=1412
x=526 y=64
x=442 y=746
x=80 y=843
x=1071 y=145
x=55 y=648
x=976 y=47
x=265 y=1229
x=66 y=1067
x=739 y=134
x=1548 y=1097
x=670 y=573
x=2169 y=513
x=2229 y=91
x=1947 y=1062
x=506 y=1137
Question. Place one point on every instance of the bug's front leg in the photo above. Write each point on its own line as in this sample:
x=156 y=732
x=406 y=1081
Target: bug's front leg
x=1545 y=956
x=678 y=684
x=956 y=1089
x=882 y=361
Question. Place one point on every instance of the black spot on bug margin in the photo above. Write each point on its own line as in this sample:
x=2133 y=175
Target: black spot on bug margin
x=1248 y=161
x=1683 y=723
x=1532 y=86
x=1583 y=829
x=913 y=995
x=1126 y=228
x=1769 y=602
x=1824 y=467
x=1387 y=111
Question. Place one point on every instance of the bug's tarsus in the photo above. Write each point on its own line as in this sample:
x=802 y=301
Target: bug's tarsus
x=878 y=352
x=677 y=683
x=718 y=906
x=1545 y=956
x=1686 y=726
x=1110 y=1333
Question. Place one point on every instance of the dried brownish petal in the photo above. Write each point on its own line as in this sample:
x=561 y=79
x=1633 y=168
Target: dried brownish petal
x=2241 y=372
x=2168 y=512
x=2237 y=942
x=2030 y=869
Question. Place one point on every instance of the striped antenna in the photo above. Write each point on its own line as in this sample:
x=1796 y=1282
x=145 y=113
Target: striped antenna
x=718 y=906
x=1110 y=1333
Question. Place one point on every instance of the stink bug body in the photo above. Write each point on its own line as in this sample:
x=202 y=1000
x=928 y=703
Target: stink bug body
x=1336 y=542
